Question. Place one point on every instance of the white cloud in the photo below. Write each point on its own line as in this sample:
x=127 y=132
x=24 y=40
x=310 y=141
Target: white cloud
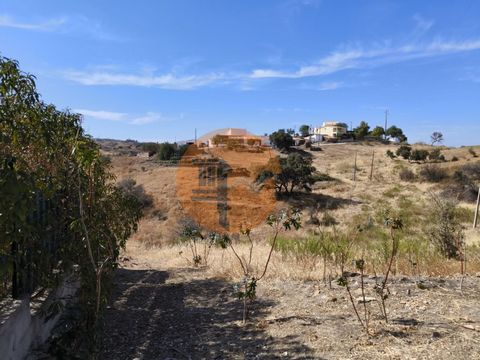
x=325 y=86
x=165 y=81
x=133 y=119
x=360 y=57
x=422 y=24
x=148 y=118
x=347 y=57
x=102 y=114
x=47 y=25
x=77 y=24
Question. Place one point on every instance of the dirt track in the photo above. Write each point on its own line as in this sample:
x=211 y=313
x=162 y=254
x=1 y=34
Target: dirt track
x=183 y=314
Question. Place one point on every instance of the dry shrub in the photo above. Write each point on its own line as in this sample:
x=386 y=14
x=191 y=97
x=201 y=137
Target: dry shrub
x=433 y=173
x=406 y=175
x=130 y=187
x=463 y=186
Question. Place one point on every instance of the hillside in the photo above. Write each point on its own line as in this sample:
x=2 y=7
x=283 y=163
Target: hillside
x=300 y=311
x=341 y=197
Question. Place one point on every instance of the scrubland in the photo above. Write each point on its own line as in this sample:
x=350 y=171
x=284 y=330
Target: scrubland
x=301 y=311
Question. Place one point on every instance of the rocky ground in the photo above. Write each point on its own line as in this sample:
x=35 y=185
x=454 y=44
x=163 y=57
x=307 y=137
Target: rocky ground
x=183 y=313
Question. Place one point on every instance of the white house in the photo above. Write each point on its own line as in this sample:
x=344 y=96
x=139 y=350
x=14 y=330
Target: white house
x=331 y=129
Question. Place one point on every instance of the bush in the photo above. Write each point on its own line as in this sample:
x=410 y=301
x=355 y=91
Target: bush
x=406 y=175
x=433 y=173
x=151 y=148
x=404 y=151
x=471 y=171
x=445 y=230
x=436 y=155
x=454 y=158
x=390 y=154
x=418 y=155
x=129 y=186
x=463 y=186
x=472 y=152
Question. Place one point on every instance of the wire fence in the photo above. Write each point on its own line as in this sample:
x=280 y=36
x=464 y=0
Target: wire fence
x=33 y=261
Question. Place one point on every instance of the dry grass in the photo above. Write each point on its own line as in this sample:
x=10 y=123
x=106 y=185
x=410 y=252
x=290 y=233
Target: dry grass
x=345 y=199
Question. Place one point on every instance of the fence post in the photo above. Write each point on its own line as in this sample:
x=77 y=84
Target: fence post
x=371 y=166
x=475 y=219
x=355 y=167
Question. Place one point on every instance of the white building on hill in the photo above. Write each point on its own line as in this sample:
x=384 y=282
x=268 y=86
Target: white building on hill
x=331 y=129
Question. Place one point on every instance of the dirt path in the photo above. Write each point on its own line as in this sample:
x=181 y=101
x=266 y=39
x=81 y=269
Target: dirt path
x=178 y=314
x=182 y=314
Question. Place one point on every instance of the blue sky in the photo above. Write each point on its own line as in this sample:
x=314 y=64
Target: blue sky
x=156 y=70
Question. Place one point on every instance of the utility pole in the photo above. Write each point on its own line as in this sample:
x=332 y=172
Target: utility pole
x=386 y=122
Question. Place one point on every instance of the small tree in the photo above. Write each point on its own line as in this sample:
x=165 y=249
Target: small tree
x=362 y=130
x=436 y=138
x=281 y=139
x=377 y=132
x=304 y=130
x=285 y=220
x=166 y=151
x=396 y=133
x=293 y=172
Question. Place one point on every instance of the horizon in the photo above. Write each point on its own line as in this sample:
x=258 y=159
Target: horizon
x=157 y=72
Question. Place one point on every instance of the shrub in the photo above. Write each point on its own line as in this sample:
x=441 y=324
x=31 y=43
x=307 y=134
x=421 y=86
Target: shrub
x=433 y=173
x=418 y=155
x=151 y=148
x=390 y=154
x=472 y=152
x=406 y=175
x=436 y=155
x=129 y=186
x=445 y=230
x=471 y=171
x=454 y=158
x=404 y=151
x=463 y=187
x=166 y=151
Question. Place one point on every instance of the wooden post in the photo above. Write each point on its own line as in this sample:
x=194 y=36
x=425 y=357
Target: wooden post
x=475 y=219
x=355 y=168
x=371 y=166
